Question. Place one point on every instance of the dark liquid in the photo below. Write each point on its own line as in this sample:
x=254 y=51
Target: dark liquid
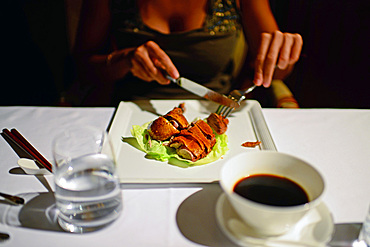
x=271 y=190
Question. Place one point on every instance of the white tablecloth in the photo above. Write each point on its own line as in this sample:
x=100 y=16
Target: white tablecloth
x=335 y=141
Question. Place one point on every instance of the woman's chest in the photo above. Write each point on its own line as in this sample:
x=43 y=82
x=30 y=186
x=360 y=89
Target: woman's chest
x=168 y=16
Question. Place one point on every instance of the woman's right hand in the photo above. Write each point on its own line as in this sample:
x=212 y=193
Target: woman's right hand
x=277 y=51
x=148 y=60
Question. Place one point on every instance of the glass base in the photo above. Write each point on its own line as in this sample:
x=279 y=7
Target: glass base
x=68 y=227
x=85 y=226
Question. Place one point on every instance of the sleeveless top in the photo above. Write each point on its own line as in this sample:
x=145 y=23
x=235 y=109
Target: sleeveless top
x=205 y=55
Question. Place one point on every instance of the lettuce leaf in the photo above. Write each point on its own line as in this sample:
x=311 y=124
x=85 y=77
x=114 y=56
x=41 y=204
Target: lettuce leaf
x=158 y=150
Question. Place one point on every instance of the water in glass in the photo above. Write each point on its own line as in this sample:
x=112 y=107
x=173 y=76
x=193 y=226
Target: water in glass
x=87 y=193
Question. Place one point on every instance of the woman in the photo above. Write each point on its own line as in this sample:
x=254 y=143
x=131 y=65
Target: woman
x=124 y=45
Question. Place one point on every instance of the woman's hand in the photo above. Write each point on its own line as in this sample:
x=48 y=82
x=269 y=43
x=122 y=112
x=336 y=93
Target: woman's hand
x=148 y=59
x=277 y=50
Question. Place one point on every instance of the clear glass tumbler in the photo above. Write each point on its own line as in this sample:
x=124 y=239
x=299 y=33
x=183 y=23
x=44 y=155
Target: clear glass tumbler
x=365 y=230
x=87 y=191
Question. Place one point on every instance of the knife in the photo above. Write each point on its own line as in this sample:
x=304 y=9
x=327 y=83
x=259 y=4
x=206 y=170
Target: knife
x=203 y=91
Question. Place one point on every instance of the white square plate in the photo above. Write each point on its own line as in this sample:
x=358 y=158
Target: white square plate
x=245 y=124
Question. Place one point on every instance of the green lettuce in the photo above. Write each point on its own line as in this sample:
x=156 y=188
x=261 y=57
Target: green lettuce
x=159 y=150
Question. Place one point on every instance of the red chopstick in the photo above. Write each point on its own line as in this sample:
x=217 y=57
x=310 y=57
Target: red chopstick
x=23 y=143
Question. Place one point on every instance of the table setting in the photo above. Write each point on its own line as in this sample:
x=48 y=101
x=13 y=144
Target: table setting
x=164 y=203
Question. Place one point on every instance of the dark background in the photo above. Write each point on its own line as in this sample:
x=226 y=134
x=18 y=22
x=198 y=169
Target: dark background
x=34 y=52
x=333 y=71
x=334 y=68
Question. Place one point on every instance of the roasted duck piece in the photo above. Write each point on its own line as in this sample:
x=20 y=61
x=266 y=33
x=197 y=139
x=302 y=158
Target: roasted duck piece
x=187 y=148
x=208 y=143
x=161 y=129
x=195 y=142
x=217 y=123
x=192 y=142
x=168 y=125
x=251 y=144
x=177 y=119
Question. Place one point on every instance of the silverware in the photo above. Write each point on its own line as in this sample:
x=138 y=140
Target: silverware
x=236 y=95
x=12 y=199
x=4 y=236
x=18 y=142
x=203 y=91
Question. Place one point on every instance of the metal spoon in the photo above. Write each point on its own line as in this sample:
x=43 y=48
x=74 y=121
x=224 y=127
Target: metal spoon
x=12 y=199
x=4 y=236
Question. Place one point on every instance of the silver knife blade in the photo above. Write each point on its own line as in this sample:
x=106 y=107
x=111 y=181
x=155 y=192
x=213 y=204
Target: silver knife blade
x=204 y=92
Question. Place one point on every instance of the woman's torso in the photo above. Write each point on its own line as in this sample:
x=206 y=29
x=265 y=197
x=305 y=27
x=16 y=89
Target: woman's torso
x=204 y=54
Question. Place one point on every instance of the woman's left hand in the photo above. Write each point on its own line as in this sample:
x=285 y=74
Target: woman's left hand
x=277 y=50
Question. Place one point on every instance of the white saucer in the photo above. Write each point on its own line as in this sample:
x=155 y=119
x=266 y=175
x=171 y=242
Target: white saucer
x=313 y=230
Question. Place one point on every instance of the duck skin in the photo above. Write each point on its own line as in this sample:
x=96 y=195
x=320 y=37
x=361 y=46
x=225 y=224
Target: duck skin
x=218 y=123
x=192 y=141
x=168 y=125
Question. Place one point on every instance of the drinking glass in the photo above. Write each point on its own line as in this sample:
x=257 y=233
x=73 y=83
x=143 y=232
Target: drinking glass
x=87 y=192
x=364 y=236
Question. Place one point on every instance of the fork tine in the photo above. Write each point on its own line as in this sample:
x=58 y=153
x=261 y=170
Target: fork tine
x=219 y=109
x=225 y=111
x=228 y=112
x=238 y=96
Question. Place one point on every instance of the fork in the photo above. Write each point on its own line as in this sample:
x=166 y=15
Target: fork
x=238 y=96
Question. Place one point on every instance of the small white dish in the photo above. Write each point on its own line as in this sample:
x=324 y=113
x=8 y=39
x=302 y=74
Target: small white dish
x=29 y=166
x=314 y=230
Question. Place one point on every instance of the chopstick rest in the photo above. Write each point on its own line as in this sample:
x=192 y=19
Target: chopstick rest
x=21 y=142
x=30 y=167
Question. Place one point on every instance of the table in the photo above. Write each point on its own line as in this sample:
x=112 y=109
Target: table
x=335 y=141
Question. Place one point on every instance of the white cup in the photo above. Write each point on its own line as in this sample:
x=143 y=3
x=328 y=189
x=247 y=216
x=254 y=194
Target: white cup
x=266 y=219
